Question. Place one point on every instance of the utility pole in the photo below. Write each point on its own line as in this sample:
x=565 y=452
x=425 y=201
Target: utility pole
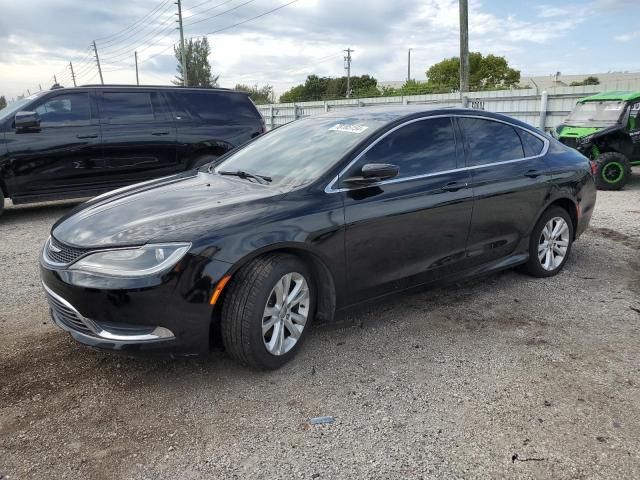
x=95 y=50
x=55 y=80
x=73 y=75
x=185 y=80
x=40 y=85
x=135 y=54
x=409 y=65
x=347 y=67
x=464 y=48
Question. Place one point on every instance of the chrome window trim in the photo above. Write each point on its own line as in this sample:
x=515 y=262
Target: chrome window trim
x=330 y=187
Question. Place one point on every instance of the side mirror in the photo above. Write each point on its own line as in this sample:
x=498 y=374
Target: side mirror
x=374 y=173
x=27 y=121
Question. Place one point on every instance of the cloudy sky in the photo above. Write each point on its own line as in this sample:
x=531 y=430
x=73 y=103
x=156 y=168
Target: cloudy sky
x=39 y=37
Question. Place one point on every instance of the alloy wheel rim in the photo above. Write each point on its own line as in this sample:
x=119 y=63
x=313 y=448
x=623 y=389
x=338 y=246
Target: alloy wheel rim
x=553 y=244
x=285 y=314
x=612 y=172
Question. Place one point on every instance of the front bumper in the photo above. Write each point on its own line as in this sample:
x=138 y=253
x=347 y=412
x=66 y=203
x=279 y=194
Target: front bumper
x=172 y=315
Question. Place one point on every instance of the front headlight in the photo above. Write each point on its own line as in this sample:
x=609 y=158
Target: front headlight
x=133 y=262
x=585 y=140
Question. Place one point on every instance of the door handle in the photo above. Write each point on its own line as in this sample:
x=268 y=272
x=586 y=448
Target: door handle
x=91 y=135
x=533 y=173
x=163 y=132
x=454 y=186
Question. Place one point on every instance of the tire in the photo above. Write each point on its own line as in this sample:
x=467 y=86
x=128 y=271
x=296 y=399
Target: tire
x=613 y=170
x=203 y=160
x=542 y=267
x=253 y=292
x=1 y=202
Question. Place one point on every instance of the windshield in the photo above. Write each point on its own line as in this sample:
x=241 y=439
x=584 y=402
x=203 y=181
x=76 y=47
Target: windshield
x=301 y=151
x=596 y=113
x=14 y=107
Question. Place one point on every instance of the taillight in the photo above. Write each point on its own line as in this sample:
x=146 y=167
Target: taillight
x=594 y=168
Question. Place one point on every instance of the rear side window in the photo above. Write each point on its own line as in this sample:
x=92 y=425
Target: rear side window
x=65 y=110
x=215 y=107
x=490 y=141
x=132 y=107
x=532 y=145
x=426 y=146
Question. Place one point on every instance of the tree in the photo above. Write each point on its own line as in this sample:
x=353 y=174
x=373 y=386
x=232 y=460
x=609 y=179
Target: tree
x=490 y=72
x=198 y=67
x=3 y=102
x=328 y=88
x=587 y=81
x=259 y=95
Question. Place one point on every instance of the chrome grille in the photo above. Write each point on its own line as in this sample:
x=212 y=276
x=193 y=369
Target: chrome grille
x=67 y=315
x=64 y=254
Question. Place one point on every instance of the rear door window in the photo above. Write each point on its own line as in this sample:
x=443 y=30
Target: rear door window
x=132 y=107
x=532 y=145
x=489 y=141
x=65 y=110
x=214 y=107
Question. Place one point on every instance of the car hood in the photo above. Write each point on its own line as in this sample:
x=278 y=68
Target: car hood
x=169 y=209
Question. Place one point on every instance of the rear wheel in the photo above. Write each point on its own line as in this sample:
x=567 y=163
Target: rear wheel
x=1 y=201
x=613 y=171
x=550 y=243
x=268 y=311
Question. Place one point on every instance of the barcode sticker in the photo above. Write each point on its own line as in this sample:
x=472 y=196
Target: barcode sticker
x=341 y=127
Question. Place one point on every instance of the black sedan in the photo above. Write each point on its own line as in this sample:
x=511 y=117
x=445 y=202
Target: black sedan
x=308 y=219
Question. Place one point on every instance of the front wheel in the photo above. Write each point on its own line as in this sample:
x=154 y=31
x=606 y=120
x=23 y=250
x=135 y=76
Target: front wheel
x=612 y=171
x=268 y=311
x=550 y=243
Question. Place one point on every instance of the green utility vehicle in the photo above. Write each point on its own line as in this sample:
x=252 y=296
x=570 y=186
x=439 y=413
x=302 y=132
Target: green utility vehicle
x=606 y=128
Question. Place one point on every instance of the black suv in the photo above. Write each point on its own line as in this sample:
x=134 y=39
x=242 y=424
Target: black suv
x=79 y=142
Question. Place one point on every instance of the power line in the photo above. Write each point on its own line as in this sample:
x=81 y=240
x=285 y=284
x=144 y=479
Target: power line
x=167 y=32
x=207 y=9
x=219 y=14
x=149 y=37
x=110 y=38
x=251 y=19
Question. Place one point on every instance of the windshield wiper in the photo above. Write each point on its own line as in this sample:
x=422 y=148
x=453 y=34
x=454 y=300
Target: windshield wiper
x=263 y=179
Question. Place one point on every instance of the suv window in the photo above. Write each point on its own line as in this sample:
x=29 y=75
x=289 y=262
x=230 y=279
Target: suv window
x=490 y=141
x=65 y=110
x=132 y=107
x=425 y=146
x=215 y=106
x=532 y=145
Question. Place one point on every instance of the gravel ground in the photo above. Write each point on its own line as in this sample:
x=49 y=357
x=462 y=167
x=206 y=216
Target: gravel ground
x=503 y=377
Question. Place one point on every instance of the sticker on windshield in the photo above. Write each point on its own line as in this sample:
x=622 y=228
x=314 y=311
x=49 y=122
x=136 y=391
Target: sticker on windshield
x=613 y=107
x=342 y=127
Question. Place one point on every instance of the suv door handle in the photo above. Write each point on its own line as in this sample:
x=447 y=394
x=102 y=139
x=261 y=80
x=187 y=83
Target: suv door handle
x=533 y=173
x=163 y=132
x=454 y=186
x=90 y=135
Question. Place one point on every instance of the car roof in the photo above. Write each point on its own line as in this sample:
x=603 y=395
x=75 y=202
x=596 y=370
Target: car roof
x=619 y=96
x=392 y=113
x=153 y=87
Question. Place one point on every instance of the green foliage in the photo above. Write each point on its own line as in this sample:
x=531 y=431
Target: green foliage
x=3 y=102
x=198 y=67
x=259 y=95
x=587 y=81
x=329 y=88
x=490 y=72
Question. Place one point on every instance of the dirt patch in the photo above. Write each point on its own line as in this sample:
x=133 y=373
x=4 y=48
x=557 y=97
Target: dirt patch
x=617 y=237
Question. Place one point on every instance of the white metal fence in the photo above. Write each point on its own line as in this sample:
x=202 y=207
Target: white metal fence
x=526 y=105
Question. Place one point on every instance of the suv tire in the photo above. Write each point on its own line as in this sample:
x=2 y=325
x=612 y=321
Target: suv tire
x=612 y=171
x=1 y=202
x=262 y=325
x=549 y=249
